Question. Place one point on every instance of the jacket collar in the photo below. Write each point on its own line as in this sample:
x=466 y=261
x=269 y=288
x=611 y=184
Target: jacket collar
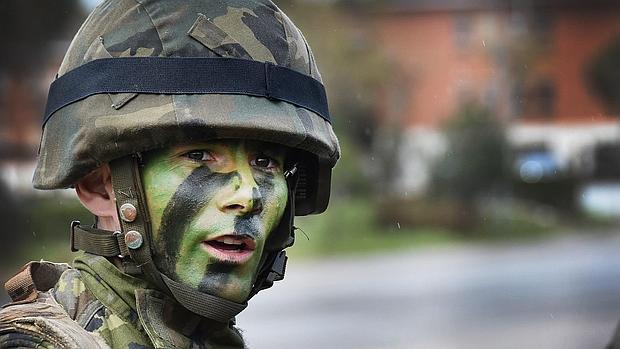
x=167 y=324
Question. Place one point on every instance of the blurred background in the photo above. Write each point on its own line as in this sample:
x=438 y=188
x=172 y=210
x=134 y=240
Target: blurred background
x=477 y=202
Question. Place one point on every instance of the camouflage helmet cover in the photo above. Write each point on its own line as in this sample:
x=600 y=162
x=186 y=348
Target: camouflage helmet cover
x=83 y=135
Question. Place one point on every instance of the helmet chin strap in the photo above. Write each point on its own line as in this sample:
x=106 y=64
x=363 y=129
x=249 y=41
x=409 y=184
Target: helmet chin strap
x=135 y=239
x=273 y=261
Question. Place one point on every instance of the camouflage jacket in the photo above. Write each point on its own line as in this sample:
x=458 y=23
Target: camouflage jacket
x=111 y=307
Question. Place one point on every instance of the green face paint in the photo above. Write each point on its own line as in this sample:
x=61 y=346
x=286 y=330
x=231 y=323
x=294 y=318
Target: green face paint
x=212 y=207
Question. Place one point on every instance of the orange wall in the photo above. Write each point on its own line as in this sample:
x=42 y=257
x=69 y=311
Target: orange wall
x=578 y=37
x=436 y=70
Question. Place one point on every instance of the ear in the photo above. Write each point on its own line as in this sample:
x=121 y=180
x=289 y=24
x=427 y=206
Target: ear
x=96 y=194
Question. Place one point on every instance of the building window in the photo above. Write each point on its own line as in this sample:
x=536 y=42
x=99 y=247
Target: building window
x=539 y=99
x=541 y=24
x=533 y=28
x=463 y=30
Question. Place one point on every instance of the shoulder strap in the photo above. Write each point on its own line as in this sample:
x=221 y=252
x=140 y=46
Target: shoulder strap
x=96 y=241
x=44 y=321
x=32 y=278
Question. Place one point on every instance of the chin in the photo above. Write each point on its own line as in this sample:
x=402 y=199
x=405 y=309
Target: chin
x=228 y=286
x=235 y=292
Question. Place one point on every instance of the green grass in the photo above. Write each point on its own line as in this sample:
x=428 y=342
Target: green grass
x=43 y=231
x=350 y=227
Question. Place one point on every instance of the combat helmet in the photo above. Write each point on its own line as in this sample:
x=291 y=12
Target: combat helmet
x=146 y=74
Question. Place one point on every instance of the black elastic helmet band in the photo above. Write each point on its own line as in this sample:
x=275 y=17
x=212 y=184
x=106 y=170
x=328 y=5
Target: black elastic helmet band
x=163 y=75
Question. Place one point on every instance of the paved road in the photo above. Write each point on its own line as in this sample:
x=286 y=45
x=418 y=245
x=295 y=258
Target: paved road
x=563 y=293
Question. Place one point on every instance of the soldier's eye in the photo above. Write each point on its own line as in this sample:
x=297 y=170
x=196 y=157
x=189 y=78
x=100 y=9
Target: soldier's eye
x=199 y=155
x=265 y=162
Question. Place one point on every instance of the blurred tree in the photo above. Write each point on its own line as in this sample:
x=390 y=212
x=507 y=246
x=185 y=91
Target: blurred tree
x=32 y=31
x=350 y=177
x=11 y=216
x=389 y=135
x=350 y=61
x=28 y=26
x=603 y=76
x=475 y=161
x=353 y=69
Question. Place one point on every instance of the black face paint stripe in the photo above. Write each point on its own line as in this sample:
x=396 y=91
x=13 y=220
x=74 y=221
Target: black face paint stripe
x=215 y=277
x=265 y=190
x=250 y=224
x=266 y=184
x=257 y=200
x=247 y=225
x=190 y=197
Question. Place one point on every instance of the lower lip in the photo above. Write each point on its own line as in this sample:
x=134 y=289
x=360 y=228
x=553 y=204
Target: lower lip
x=235 y=257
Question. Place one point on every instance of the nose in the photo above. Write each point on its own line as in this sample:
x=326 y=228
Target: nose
x=245 y=197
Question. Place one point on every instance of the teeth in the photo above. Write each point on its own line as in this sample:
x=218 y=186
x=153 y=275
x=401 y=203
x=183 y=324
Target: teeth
x=229 y=241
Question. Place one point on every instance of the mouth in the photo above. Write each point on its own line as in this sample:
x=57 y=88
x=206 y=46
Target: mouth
x=234 y=249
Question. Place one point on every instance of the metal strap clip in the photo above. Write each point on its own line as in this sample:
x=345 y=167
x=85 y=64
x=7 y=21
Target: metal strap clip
x=122 y=246
x=268 y=67
x=72 y=239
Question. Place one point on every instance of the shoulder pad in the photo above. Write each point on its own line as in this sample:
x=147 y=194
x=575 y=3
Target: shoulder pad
x=43 y=322
x=33 y=278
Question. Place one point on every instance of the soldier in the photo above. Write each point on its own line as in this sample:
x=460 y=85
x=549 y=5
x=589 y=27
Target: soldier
x=194 y=131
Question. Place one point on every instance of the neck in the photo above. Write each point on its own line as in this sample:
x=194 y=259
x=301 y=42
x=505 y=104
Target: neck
x=107 y=223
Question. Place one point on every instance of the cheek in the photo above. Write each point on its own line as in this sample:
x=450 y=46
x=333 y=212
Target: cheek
x=275 y=196
x=160 y=184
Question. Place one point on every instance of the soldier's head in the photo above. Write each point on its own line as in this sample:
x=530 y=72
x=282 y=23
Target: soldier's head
x=212 y=207
x=195 y=131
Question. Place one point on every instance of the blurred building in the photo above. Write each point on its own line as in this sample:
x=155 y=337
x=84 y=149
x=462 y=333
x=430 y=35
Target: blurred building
x=22 y=100
x=526 y=61
x=36 y=34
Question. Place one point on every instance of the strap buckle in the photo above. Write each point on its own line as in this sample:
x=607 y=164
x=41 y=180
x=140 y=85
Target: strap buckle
x=72 y=239
x=278 y=268
x=122 y=247
x=275 y=272
x=291 y=171
x=268 y=72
